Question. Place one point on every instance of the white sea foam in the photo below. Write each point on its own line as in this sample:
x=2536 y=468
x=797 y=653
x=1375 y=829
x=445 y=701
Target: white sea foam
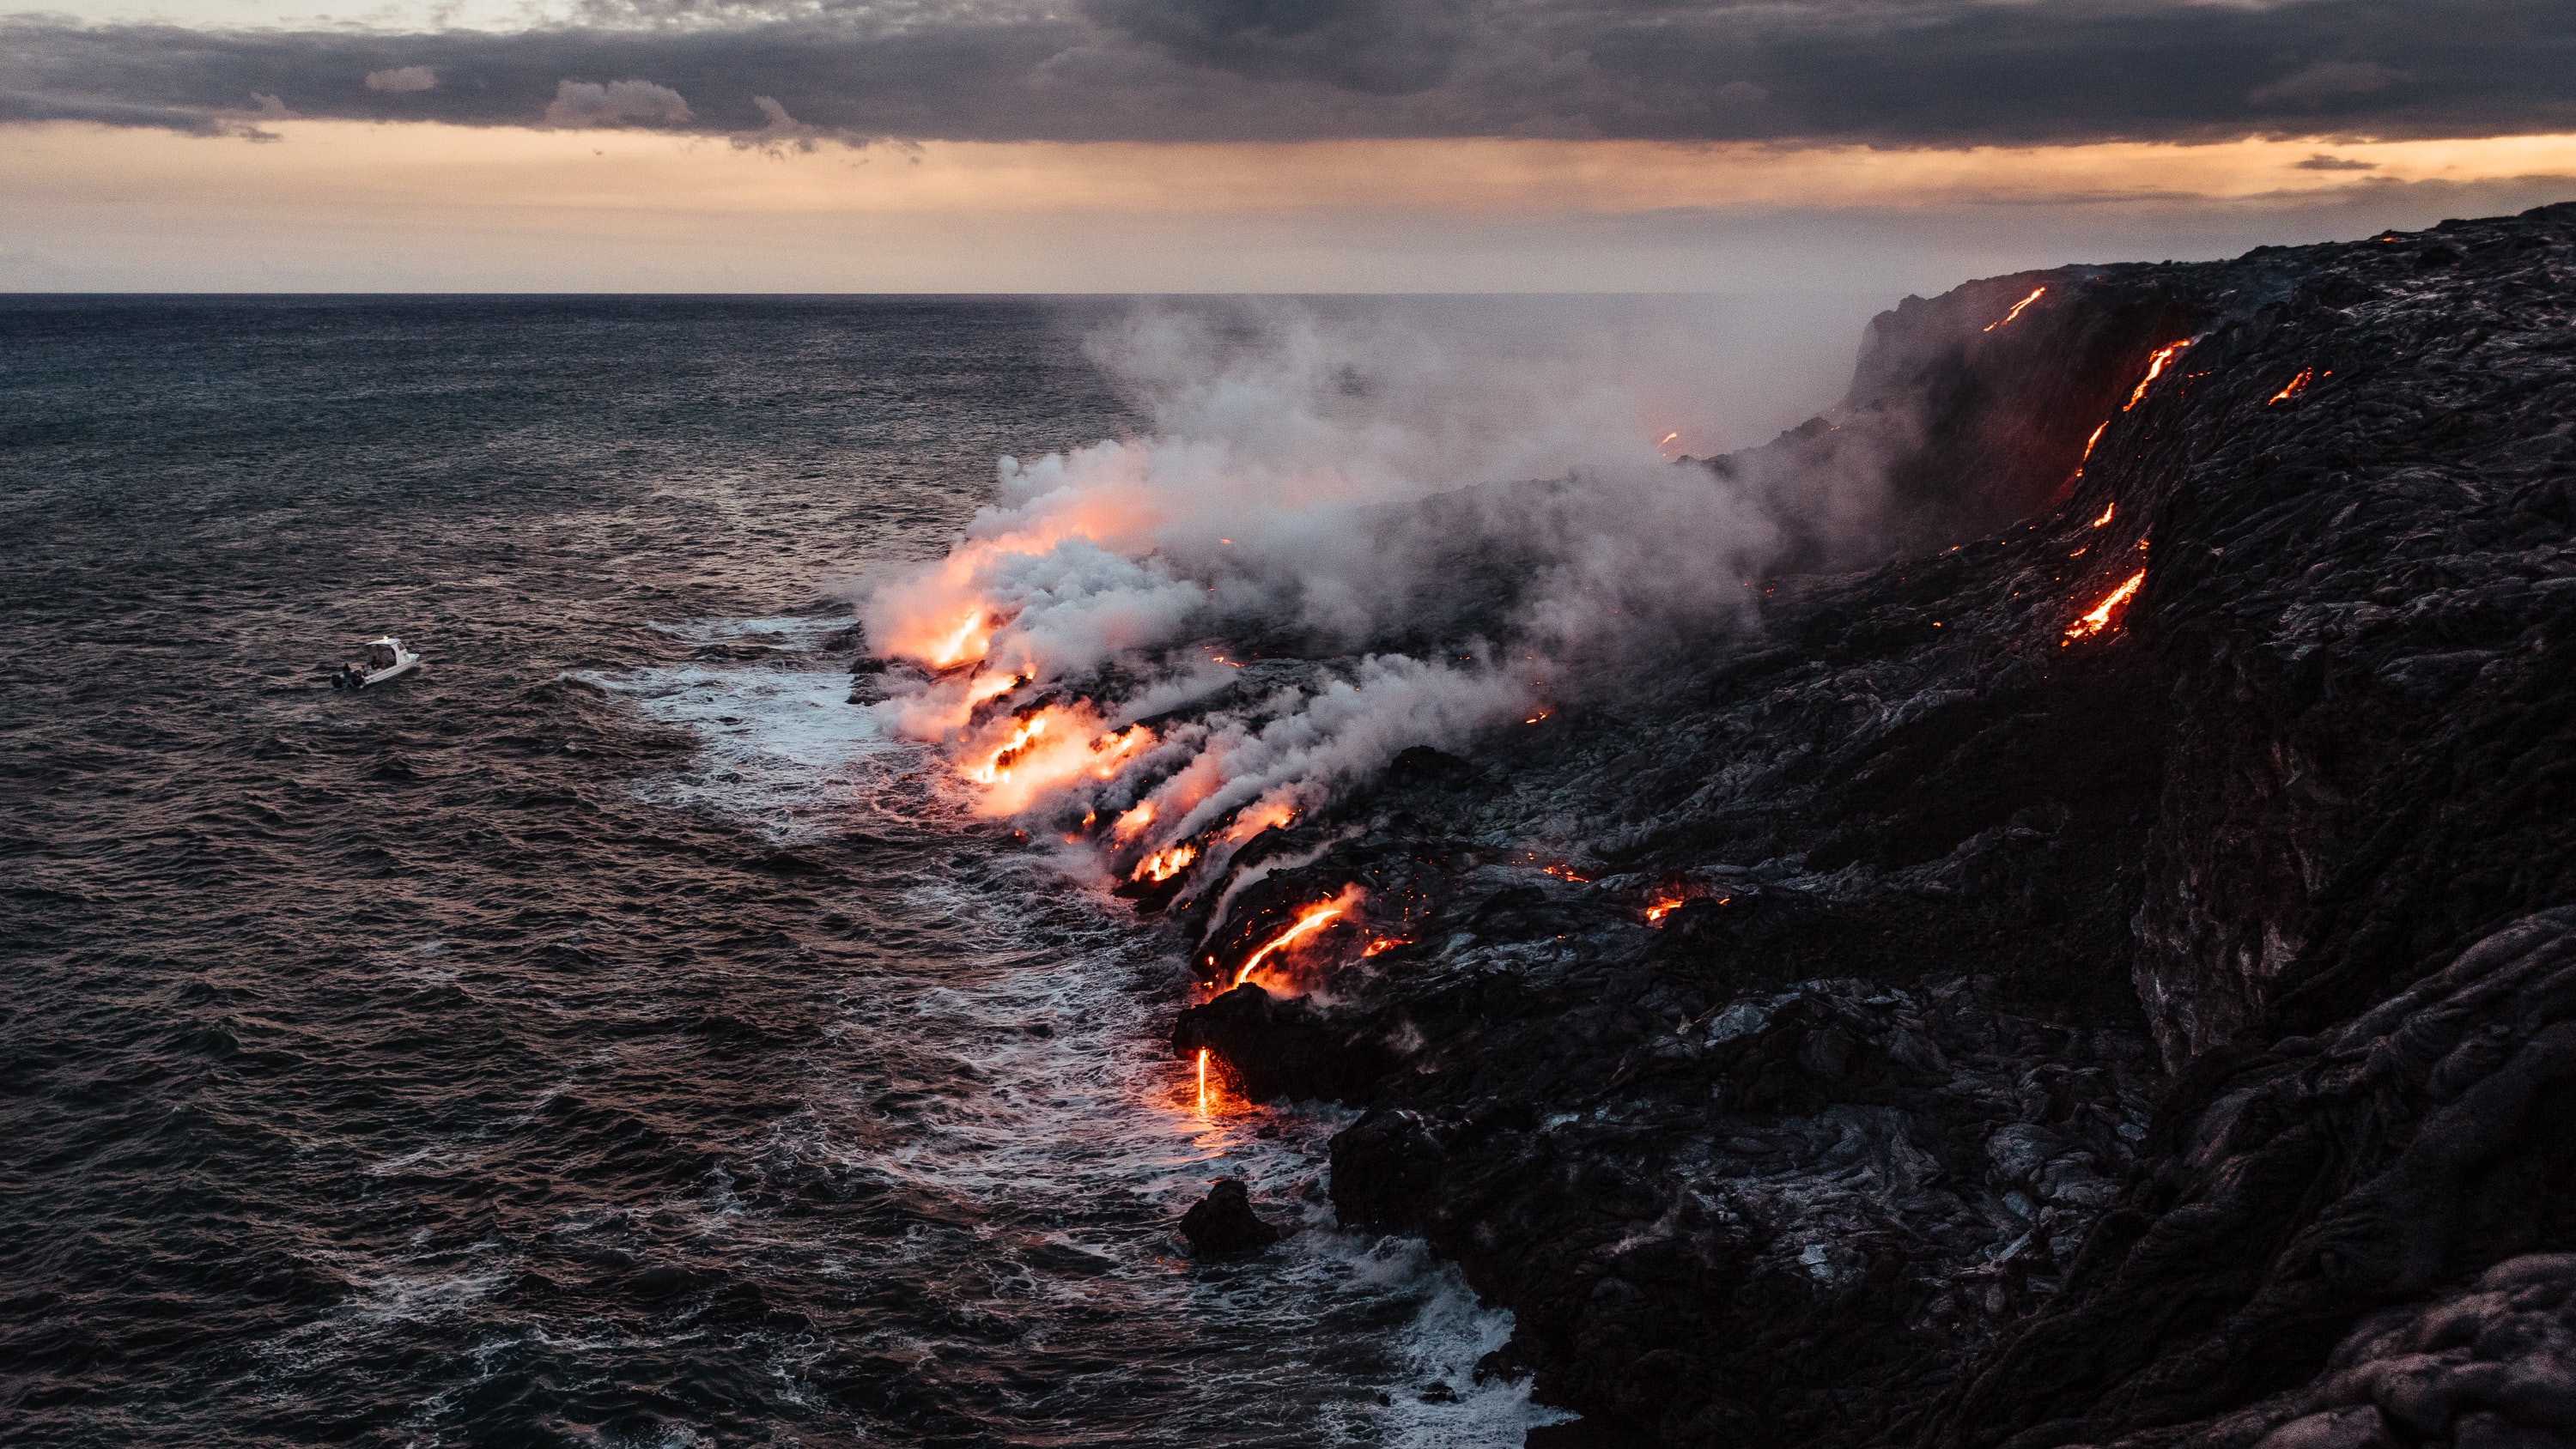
x=780 y=745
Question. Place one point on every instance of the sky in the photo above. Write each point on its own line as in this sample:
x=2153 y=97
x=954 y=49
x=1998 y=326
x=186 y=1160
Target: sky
x=1752 y=146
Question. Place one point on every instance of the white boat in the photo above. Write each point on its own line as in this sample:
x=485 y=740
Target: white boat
x=386 y=658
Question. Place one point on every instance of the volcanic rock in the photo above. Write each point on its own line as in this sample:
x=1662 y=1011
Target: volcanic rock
x=2111 y=975
x=1222 y=1224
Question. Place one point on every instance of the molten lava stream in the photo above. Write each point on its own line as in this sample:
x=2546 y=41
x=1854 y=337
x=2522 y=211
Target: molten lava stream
x=2035 y=295
x=1313 y=919
x=1207 y=1091
x=2155 y=367
x=2103 y=615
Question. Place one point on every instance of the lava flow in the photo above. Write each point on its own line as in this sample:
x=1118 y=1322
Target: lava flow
x=1166 y=863
x=2016 y=310
x=1048 y=749
x=2297 y=385
x=2100 y=619
x=1661 y=907
x=1314 y=919
x=2155 y=366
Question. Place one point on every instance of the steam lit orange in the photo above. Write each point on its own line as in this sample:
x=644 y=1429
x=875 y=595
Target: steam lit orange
x=954 y=651
x=1259 y=818
x=1166 y=863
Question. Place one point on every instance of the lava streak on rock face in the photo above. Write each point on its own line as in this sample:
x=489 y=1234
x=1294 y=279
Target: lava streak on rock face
x=1309 y=921
x=2155 y=369
x=2035 y=294
x=2104 y=616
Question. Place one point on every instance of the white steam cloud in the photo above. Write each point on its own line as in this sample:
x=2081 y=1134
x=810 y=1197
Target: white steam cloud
x=1483 y=513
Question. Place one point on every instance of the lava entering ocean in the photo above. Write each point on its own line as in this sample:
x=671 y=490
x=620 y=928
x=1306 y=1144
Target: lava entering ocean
x=1159 y=652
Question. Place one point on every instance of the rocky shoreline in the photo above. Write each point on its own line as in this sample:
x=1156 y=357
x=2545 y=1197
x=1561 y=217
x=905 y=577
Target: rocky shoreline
x=1924 y=1016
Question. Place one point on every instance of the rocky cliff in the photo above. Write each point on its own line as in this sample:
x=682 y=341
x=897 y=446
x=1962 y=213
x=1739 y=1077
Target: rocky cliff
x=2108 y=975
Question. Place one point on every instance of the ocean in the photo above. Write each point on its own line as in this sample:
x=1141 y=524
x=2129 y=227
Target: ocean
x=605 y=1035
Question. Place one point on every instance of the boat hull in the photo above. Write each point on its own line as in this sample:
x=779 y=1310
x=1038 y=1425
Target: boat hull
x=353 y=680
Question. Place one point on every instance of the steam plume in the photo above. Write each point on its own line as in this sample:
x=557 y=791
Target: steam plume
x=1469 y=522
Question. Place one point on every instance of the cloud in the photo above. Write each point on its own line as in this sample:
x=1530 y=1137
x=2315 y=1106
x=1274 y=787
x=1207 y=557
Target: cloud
x=2326 y=80
x=404 y=79
x=782 y=134
x=2324 y=162
x=1374 y=47
x=1934 y=73
x=583 y=104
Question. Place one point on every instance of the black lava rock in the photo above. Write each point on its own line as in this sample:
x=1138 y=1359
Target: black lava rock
x=1223 y=1225
x=1937 y=1017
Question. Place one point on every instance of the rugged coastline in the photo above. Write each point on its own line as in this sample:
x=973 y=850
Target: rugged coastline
x=1995 y=1002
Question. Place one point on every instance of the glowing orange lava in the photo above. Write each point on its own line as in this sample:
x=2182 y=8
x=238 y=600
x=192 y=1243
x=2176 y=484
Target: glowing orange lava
x=1047 y=750
x=1315 y=919
x=2016 y=311
x=997 y=766
x=1259 y=818
x=2296 y=386
x=2155 y=366
x=1382 y=943
x=1116 y=748
x=2088 y=445
x=2107 y=510
x=2100 y=619
x=954 y=650
x=1661 y=907
x=1203 y=1051
x=1565 y=873
x=1166 y=863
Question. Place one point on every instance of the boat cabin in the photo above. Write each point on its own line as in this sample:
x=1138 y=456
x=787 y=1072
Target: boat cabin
x=383 y=653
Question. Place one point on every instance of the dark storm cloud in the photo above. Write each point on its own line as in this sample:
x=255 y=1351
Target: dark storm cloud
x=1886 y=72
x=1374 y=47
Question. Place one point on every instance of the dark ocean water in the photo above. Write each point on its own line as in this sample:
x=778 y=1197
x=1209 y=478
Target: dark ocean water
x=603 y=1036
